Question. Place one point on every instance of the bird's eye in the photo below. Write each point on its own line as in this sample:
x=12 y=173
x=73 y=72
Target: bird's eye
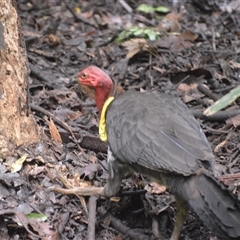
x=84 y=75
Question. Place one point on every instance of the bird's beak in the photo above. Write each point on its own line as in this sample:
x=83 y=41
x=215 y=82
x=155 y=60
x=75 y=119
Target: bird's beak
x=73 y=79
x=89 y=91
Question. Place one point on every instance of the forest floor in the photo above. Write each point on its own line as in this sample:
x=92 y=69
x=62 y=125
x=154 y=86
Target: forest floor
x=190 y=49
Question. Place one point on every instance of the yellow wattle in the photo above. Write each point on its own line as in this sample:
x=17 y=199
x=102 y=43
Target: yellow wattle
x=102 y=121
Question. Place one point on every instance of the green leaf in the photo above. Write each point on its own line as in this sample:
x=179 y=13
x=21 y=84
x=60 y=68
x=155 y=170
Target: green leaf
x=145 y=8
x=150 y=9
x=223 y=102
x=148 y=33
x=122 y=36
x=37 y=216
x=133 y=29
x=138 y=32
x=152 y=35
x=162 y=9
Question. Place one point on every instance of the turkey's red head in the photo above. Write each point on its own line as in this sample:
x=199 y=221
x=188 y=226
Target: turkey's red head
x=99 y=81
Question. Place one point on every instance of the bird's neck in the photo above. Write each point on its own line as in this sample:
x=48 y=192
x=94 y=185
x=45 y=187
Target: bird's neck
x=101 y=97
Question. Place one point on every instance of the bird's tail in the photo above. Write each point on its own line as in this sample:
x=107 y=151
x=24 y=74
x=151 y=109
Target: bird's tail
x=213 y=204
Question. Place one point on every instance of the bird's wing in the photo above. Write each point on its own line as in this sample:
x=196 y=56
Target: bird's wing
x=158 y=132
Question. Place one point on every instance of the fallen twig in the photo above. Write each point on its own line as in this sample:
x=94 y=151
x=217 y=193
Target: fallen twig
x=82 y=199
x=219 y=116
x=207 y=92
x=92 y=217
x=226 y=177
x=88 y=191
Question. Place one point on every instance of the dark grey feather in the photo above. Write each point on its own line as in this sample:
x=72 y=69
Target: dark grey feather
x=156 y=131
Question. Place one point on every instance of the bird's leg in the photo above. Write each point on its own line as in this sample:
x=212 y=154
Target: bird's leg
x=116 y=173
x=117 y=170
x=182 y=212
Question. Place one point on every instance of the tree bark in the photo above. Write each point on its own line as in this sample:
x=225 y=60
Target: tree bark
x=17 y=126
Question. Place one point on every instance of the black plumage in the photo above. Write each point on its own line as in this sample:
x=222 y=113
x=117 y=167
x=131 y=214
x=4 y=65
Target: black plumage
x=156 y=135
x=157 y=131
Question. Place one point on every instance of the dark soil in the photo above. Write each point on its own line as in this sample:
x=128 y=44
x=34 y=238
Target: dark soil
x=196 y=58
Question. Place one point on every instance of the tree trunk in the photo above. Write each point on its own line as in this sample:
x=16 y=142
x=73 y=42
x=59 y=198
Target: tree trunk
x=17 y=126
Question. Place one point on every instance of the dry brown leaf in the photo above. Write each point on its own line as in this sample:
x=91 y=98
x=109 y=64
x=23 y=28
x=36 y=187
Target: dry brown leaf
x=44 y=229
x=183 y=41
x=220 y=145
x=37 y=158
x=157 y=188
x=184 y=88
x=170 y=22
x=177 y=43
x=36 y=228
x=93 y=159
x=86 y=14
x=52 y=40
x=114 y=19
x=188 y=36
x=65 y=114
x=233 y=64
x=90 y=170
x=74 y=115
x=218 y=76
x=115 y=199
x=36 y=171
x=187 y=98
x=235 y=121
x=136 y=45
x=76 y=181
x=55 y=135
